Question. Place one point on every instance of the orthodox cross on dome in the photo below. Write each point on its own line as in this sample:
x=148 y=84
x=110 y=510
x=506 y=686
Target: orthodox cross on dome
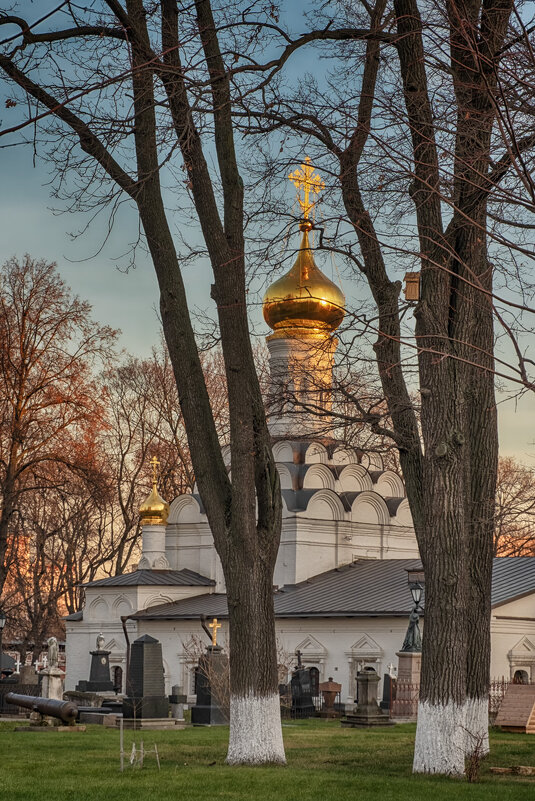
x=214 y=625
x=310 y=182
x=155 y=472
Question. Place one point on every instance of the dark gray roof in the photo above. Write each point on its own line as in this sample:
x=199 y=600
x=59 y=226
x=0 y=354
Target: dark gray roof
x=512 y=577
x=210 y=605
x=174 y=578
x=75 y=616
x=366 y=588
x=363 y=588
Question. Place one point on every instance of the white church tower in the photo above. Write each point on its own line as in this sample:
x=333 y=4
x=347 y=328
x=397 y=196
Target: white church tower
x=303 y=308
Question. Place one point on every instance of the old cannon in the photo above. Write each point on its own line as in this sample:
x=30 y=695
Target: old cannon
x=63 y=710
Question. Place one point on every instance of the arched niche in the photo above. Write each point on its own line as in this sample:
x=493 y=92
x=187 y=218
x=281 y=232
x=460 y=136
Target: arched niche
x=122 y=607
x=98 y=609
x=354 y=478
x=283 y=452
x=390 y=485
x=316 y=454
x=318 y=476
x=157 y=600
x=285 y=476
x=343 y=456
x=369 y=507
x=373 y=461
x=403 y=514
x=325 y=505
x=184 y=509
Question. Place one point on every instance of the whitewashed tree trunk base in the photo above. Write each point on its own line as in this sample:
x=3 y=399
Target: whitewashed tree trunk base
x=477 y=726
x=440 y=738
x=255 y=731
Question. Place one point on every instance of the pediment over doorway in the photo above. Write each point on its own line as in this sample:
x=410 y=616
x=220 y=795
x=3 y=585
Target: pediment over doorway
x=365 y=647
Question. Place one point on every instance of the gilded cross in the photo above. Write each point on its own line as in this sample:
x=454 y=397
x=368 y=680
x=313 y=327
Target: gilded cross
x=155 y=465
x=214 y=625
x=310 y=182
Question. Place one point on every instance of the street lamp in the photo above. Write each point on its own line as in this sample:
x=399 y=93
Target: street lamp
x=413 y=638
x=2 y=624
x=416 y=592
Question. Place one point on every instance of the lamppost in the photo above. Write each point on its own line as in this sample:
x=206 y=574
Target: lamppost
x=2 y=624
x=413 y=638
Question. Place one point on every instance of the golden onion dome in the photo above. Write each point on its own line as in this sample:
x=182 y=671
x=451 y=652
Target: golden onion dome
x=154 y=511
x=304 y=298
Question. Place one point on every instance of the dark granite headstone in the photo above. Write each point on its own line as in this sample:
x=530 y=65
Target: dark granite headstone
x=145 y=682
x=210 y=676
x=99 y=674
x=388 y=696
x=302 y=706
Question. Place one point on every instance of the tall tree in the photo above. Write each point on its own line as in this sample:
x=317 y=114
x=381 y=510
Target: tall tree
x=417 y=151
x=421 y=143
x=48 y=347
x=160 y=47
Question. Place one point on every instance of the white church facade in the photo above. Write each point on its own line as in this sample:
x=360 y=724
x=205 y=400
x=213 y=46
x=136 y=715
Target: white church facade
x=347 y=544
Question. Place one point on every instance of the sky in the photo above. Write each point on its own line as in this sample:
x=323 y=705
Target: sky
x=129 y=300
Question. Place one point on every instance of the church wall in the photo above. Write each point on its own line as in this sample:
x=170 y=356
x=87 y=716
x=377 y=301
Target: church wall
x=311 y=546
x=513 y=638
x=338 y=647
x=81 y=638
x=104 y=607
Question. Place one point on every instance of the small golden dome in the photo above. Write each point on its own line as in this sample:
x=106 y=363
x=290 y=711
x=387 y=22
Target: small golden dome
x=154 y=511
x=304 y=298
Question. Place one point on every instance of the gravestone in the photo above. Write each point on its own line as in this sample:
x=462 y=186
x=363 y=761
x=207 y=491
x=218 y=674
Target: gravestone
x=302 y=705
x=99 y=672
x=145 y=684
x=28 y=675
x=368 y=712
x=388 y=692
x=329 y=690
x=177 y=699
x=52 y=677
x=211 y=677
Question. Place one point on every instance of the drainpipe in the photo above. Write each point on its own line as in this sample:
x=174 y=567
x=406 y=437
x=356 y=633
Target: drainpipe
x=124 y=618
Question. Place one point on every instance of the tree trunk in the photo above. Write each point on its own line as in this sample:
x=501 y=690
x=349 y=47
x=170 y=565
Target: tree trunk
x=255 y=727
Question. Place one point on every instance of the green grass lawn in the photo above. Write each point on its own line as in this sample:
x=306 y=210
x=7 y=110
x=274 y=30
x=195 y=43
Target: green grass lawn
x=324 y=762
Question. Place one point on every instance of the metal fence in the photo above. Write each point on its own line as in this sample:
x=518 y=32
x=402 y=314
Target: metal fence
x=21 y=689
x=291 y=711
x=404 y=699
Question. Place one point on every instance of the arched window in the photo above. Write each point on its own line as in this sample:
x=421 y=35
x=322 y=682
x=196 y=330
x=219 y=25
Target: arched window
x=117 y=678
x=520 y=677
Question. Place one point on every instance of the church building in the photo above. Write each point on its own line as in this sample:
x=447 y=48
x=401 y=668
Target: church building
x=347 y=546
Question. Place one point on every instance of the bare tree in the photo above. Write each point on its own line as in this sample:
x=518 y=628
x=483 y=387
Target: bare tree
x=430 y=143
x=48 y=346
x=515 y=510
x=166 y=42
